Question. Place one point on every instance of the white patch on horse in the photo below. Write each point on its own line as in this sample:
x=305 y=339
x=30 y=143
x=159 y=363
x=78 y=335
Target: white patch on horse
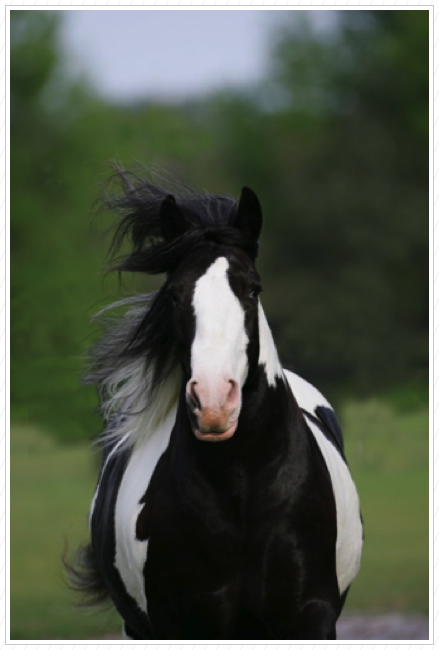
x=349 y=527
x=307 y=396
x=131 y=553
x=219 y=348
x=268 y=357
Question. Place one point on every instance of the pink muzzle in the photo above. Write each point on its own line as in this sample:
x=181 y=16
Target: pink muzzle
x=215 y=408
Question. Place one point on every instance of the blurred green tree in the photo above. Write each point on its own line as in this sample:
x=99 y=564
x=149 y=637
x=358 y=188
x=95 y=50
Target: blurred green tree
x=335 y=142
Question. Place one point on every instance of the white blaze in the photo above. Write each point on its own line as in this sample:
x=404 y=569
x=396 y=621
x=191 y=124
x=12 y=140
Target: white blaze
x=219 y=349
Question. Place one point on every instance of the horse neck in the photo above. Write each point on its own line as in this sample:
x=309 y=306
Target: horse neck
x=264 y=441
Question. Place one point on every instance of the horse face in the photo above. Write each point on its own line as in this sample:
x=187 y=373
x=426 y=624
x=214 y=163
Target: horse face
x=218 y=312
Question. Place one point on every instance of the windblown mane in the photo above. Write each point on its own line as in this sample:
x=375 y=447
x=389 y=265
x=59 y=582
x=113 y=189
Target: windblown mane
x=134 y=364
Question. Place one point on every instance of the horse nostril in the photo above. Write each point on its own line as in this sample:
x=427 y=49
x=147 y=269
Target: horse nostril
x=194 y=396
x=233 y=391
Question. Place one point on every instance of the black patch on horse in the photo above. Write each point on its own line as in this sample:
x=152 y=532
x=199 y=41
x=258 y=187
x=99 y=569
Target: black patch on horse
x=326 y=419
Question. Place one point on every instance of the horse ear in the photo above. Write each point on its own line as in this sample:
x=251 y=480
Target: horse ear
x=172 y=221
x=249 y=216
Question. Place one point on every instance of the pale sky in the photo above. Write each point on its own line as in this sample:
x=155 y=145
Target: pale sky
x=171 y=54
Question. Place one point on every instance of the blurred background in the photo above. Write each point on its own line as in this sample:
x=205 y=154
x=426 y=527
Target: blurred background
x=325 y=115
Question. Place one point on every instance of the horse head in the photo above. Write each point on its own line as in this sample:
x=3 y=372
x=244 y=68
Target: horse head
x=214 y=292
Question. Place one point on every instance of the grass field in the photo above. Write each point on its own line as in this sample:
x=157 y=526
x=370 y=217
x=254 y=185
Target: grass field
x=51 y=487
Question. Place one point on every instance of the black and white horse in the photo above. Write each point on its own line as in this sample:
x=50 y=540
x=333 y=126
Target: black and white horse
x=225 y=508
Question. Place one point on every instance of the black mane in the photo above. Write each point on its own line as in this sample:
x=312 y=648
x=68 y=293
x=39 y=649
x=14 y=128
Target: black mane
x=208 y=218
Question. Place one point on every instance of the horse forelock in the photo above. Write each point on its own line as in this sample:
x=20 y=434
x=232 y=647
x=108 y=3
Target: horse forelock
x=207 y=218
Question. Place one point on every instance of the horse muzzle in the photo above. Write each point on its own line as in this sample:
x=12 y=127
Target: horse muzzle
x=214 y=418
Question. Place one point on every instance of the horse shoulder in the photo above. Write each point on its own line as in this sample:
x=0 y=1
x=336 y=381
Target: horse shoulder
x=116 y=505
x=131 y=548
x=323 y=425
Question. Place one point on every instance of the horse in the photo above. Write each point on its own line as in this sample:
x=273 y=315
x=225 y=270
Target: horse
x=224 y=507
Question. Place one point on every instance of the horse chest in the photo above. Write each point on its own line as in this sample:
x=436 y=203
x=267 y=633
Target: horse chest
x=236 y=544
x=234 y=562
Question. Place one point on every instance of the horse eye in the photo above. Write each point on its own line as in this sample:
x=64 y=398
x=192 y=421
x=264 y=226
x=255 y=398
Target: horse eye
x=253 y=295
